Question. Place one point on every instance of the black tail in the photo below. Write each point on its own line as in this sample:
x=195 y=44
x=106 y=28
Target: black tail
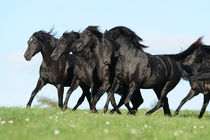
x=186 y=71
x=201 y=77
x=195 y=72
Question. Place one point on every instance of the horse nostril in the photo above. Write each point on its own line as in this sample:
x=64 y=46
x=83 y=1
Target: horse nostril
x=26 y=56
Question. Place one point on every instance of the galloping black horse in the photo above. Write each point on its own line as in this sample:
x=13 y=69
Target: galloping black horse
x=137 y=68
x=91 y=40
x=197 y=56
x=58 y=73
x=91 y=43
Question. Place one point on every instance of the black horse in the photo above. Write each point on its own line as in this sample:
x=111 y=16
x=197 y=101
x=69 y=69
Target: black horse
x=137 y=68
x=84 y=71
x=91 y=39
x=197 y=56
x=59 y=73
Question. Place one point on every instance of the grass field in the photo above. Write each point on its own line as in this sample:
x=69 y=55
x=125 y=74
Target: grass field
x=52 y=124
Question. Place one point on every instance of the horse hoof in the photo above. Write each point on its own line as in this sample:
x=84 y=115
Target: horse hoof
x=148 y=113
x=176 y=113
x=105 y=111
x=61 y=107
x=28 y=106
x=199 y=117
x=112 y=111
x=74 y=109
x=94 y=111
x=132 y=112
x=118 y=112
x=168 y=115
x=64 y=108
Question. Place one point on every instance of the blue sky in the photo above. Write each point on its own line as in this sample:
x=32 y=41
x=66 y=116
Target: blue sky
x=166 y=27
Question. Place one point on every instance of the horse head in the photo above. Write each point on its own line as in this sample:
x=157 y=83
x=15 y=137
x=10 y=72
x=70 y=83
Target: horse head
x=64 y=45
x=36 y=43
x=88 y=39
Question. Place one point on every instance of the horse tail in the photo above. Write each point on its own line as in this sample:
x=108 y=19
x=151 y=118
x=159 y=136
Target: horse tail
x=201 y=76
x=189 y=73
x=186 y=71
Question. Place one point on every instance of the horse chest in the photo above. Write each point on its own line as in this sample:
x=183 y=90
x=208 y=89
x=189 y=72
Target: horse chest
x=84 y=73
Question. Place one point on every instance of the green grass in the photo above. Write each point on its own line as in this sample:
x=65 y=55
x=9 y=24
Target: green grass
x=52 y=124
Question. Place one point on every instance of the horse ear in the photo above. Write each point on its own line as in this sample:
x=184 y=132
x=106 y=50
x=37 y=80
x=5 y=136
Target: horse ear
x=105 y=31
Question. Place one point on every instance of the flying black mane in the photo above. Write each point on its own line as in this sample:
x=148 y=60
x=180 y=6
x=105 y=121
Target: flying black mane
x=95 y=31
x=43 y=35
x=71 y=35
x=115 y=32
x=188 y=50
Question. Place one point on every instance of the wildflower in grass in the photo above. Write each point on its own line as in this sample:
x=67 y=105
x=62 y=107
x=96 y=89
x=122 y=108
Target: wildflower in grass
x=107 y=122
x=56 y=132
x=72 y=125
x=176 y=133
x=3 y=122
x=201 y=126
x=50 y=117
x=56 y=118
x=106 y=131
x=145 y=126
x=10 y=121
x=134 y=131
x=27 y=119
x=194 y=127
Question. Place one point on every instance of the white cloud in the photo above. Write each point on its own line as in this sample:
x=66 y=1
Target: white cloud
x=17 y=61
x=160 y=44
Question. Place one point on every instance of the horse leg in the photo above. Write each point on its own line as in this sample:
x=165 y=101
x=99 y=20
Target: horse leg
x=166 y=108
x=113 y=102
x=121 y=102
x=132 y=88
x=122 y=90
x=115 y=86
x=60 y=95
x=79 y=102
x=85 y=93
x=166 y=89
x=103 y=88
x=192 y=93
x=205 y=104
x=38 y=87
x=136 y=100
x=74 y=85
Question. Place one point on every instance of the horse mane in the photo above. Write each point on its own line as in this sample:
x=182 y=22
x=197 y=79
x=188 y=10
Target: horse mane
x=43 y=34
x=46 y=36
x=206 y=47
x=115 y=32
x=71 y=35
x=95 y=31
x=188 y=51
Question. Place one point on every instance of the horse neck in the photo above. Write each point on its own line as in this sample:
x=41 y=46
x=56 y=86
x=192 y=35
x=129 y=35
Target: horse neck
x=97 y=52
x=46 y=52
x=126 y=49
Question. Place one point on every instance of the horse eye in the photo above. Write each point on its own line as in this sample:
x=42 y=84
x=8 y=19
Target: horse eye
x=34 y=40
x=63 y=41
